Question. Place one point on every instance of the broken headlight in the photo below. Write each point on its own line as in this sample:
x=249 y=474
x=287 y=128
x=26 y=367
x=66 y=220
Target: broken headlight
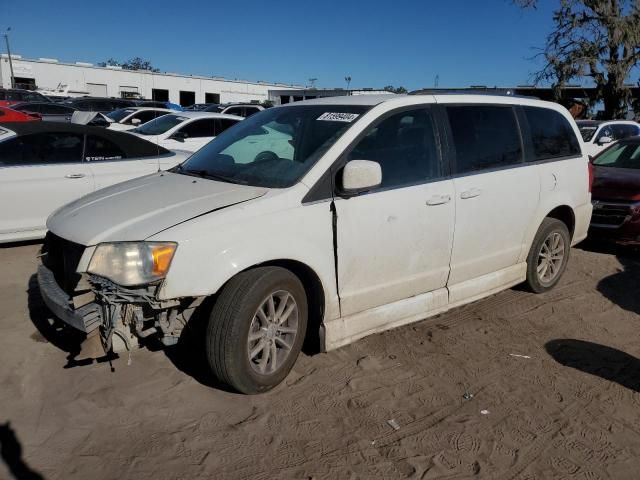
x=132 y=263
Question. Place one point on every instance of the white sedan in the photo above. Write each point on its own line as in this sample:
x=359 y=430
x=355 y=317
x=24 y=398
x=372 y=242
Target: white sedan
x=45 y=165
x=187 y=131
x=129 y=118
x=598 y=135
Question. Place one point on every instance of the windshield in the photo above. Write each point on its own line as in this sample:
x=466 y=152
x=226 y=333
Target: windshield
x=120 y=114
x=160 y=125
x=587 y=132
x=620 y=155
x=275 y=147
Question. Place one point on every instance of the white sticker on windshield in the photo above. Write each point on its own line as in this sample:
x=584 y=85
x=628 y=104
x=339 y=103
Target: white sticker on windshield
x=338 y=117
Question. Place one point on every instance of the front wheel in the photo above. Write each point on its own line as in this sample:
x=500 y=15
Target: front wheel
x=256 y=329
x=548 y=256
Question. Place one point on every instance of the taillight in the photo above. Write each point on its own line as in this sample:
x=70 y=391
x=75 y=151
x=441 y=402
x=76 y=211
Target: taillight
x=590 y=176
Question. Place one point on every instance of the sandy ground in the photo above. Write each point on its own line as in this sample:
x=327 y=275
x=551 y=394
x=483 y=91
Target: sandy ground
x=514 y=386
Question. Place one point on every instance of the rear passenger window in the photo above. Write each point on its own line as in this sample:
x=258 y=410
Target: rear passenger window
x=223 y=123
x=235 y=111
x=42 y=149
x=100 y=149
x=484 y=137
x=405 y=147
x=551 y=134
x=200 y=128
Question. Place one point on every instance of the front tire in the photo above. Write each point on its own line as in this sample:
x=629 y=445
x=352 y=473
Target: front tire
x=549 y=255
x=256 y=329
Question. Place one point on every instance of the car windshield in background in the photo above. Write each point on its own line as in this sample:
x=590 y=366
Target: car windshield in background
x=273 y=148
x=160 y=125
x=120 y=114
x=587 y=133
x=620 y=155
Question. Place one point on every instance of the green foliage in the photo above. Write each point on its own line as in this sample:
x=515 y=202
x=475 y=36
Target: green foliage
x=391 y=88
x=595 y=39
x=135 y=63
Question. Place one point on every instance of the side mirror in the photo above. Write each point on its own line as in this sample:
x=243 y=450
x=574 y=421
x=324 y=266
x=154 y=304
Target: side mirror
x=179 y=136
x=135 y=121
x=605 y=140
x=360 y=176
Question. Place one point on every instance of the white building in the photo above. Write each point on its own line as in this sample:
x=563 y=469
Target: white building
x=87 y=79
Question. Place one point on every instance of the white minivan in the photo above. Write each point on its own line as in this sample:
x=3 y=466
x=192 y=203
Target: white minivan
x=356 y=214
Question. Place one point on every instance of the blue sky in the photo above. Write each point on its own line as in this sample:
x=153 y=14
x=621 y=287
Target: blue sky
x=403 y=42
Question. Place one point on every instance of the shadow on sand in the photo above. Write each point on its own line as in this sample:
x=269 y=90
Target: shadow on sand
x=599 y=360
x=623 y=287
x=11 y=452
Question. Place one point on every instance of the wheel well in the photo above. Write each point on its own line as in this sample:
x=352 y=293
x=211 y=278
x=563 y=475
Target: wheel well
x=315 y=298
x=565 y=214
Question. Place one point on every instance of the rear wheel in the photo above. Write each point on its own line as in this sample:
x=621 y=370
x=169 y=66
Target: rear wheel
x=548 y=256
x=256 y=329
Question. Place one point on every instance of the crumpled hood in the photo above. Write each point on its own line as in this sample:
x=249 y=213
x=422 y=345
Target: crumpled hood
x=139 y=208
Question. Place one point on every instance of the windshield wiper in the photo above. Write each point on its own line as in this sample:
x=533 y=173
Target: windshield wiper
x=209 y=175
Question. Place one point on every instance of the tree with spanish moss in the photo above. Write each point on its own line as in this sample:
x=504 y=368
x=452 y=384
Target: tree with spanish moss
x=596 y=39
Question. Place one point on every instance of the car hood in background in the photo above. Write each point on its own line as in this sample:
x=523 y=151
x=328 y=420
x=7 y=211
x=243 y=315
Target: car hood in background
x=139 y=208
x=612 y=183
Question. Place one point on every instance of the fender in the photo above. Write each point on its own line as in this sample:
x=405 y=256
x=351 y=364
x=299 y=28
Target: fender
x=232 y=247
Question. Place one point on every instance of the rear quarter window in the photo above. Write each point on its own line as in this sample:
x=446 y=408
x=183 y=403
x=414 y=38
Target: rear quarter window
x=551 y=134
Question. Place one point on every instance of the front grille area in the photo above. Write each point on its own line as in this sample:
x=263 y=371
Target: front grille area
x=610 y=214
x=62 y=258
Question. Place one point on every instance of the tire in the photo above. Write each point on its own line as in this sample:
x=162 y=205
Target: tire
x=235 y=315
x=551 y=239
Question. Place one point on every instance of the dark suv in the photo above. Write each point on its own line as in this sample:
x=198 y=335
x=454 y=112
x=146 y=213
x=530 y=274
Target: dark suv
x=102 y=105
x=11 y=96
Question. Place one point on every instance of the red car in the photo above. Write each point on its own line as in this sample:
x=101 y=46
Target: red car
x=8 y=115
x=616 y=192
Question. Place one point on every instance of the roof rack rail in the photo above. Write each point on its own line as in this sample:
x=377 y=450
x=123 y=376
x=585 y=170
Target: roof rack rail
x=501 y=92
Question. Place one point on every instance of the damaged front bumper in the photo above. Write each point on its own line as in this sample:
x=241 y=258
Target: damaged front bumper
x=86 y=318
x=102 y=307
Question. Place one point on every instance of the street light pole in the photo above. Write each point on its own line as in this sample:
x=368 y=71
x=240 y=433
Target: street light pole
x=6 y=39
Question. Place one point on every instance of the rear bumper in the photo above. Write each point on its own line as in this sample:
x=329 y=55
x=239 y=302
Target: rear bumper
x=86 y=318
x=582 y=218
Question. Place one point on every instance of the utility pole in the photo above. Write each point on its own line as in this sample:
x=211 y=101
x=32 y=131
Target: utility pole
x=6 y=39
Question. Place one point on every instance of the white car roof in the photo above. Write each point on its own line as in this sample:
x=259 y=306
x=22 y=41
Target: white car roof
x=155 y=109
x=349 y=100
x=377 y=99
x=191 y=115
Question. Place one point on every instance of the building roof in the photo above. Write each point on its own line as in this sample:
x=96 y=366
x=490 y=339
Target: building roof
x=53 y=61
